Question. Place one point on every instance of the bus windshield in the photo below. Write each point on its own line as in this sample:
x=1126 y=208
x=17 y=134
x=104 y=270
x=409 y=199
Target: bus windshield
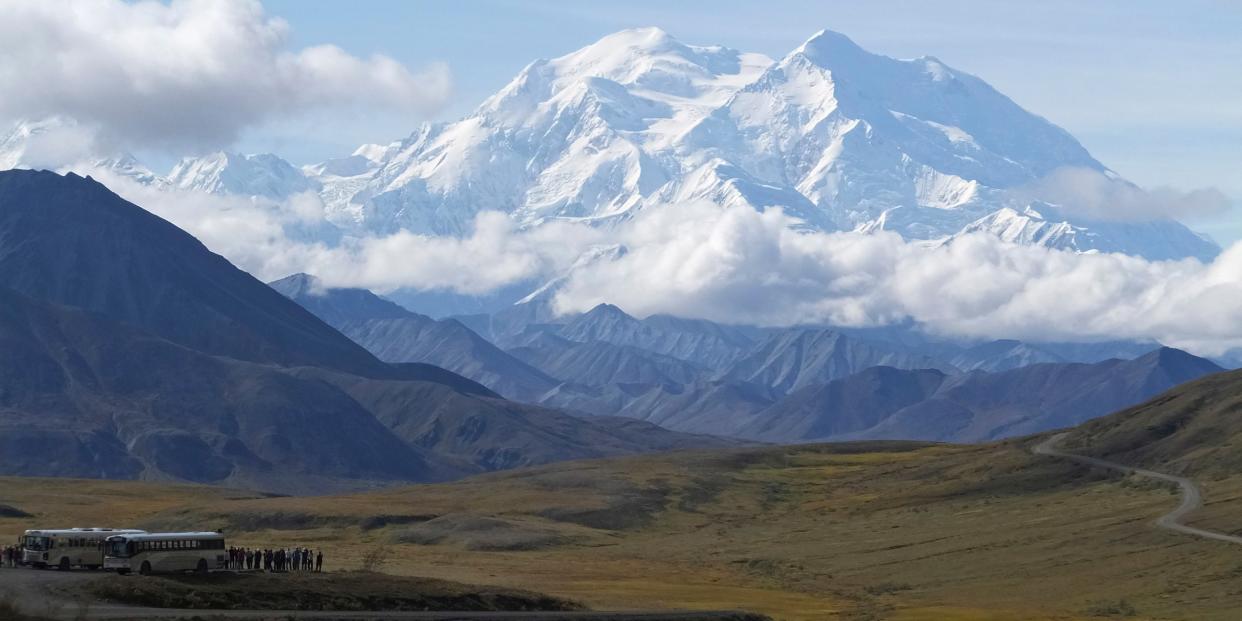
x=36 y=543
x=117 y=547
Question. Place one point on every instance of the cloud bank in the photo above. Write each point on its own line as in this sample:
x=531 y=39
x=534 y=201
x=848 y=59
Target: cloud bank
x=185 y=74
x=736 y=265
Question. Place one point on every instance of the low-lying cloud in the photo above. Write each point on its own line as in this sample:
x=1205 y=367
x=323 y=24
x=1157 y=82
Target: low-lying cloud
x=736 y=265
x=1092 y=194
x=187 y=74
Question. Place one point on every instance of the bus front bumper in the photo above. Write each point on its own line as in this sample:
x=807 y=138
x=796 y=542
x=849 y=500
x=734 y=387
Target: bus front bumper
x=116 y=563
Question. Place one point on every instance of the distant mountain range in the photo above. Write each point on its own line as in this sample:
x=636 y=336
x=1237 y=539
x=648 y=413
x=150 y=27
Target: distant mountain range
x=788 y=385
x=131 y=351
x=398 y=335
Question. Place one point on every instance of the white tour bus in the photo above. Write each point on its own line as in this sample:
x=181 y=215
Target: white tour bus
x=67 y=547
x=152 y=553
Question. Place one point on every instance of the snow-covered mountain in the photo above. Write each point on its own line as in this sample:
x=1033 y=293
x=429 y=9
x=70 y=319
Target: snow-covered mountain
x=60 y=143
x=264 y=175
x=836 y=136
x=589 y=135
x=1040 y=224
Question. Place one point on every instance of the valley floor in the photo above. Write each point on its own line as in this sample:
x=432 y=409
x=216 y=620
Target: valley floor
x=865 y=531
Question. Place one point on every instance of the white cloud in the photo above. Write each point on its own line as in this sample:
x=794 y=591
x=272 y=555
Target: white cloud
x=741 y=266
x=184 y=74
x=273 y=239
x=494 y=255
x=737 y=265
x=1094 y=195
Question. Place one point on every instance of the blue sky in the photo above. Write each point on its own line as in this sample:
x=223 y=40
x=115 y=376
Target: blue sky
x=1151 y=88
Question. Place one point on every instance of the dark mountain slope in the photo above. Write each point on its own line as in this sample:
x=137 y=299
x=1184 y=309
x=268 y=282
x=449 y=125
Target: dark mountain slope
x=337 y=305
x=1001 y=355
x=85 y=396
x=598 y=363
x=153 y=358
x=496 y=434
x=703 y=343
x=1194 y=429
x=69 y=240
x=798 y=357
x=395 y=334
x=859 y=401
x=977 y=406
x=715 y=407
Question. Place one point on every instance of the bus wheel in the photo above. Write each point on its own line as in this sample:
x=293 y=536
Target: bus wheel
x=202 y=567
x=64 y=564
x=145 y=569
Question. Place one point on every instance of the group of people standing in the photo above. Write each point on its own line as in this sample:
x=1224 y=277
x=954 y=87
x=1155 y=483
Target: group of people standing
x=296 y=559
x=10 y=556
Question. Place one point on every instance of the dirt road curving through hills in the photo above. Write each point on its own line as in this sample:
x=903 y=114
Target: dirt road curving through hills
x=1192 y=498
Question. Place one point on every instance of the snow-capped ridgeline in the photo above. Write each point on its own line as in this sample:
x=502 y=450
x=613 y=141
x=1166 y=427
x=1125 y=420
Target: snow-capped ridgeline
x=59 y=142
x=264 y=175
x=838 y=137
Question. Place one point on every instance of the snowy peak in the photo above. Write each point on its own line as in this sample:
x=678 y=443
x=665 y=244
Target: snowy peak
x=650 y=59
x=298 y=285
x=827 y=47
x=839 y=137
x=1158 y=240
x=643 y=67
x=834 y=135
x=264 y=175
x=43 y=143
x=62 y=144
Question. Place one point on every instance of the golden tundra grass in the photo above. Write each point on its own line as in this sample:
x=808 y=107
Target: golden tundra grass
x=882 y=531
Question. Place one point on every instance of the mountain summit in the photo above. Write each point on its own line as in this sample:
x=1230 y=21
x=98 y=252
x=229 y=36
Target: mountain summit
x=837 y=136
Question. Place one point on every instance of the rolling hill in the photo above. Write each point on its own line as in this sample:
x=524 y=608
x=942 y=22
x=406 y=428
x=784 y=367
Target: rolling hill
x=880 y=530
x=1192 y=429
x=895 y=404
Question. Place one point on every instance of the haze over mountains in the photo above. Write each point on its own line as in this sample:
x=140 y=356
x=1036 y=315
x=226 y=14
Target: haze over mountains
x=132 y=351
x=788 y=385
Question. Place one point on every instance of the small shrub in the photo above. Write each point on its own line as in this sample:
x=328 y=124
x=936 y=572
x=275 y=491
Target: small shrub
x=9 y=511
x=375 y=559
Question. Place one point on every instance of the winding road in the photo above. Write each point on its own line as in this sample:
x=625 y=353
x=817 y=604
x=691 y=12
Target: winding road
x=1192 y=498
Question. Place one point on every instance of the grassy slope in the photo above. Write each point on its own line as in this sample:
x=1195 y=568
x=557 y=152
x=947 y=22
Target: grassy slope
x=878 y=531
x=1192 y=429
